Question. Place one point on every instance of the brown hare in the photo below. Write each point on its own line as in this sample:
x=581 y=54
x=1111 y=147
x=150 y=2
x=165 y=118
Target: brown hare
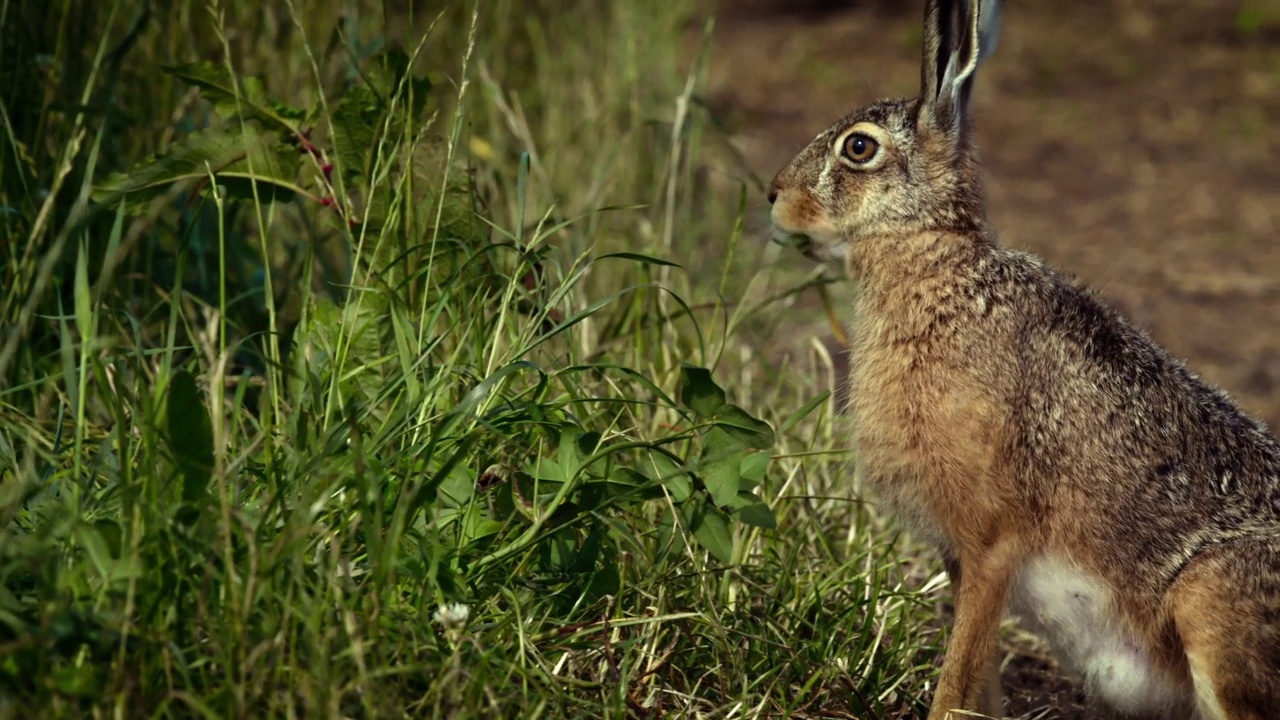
x=1065 y=466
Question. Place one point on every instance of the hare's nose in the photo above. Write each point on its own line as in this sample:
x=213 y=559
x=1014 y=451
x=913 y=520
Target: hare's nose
x=773 y=196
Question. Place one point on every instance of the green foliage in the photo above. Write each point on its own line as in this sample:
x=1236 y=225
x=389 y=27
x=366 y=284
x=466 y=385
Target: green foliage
x=338 y=380
x=243 y=164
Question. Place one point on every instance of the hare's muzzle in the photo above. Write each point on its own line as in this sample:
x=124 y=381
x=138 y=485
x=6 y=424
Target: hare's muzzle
x=796 y=240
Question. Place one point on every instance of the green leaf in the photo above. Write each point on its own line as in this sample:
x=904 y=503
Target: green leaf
x=575 y=446
x=721 y=478
x=803 y=412
x=355 y=123
x=347 y=339
x=751 y=510
x=477 y=525
x=720 y=466
x=711 y=529
x=190 y=436
x=392 y=76
x=622 y=482
x=753 y=468
x=236 y=160
x=219 y=87
x=457 y=487
x=76 y=680
x=546 y=469
x=699 y=392
x=84 y=310
x=605 y=581
x=626 y=481
x=744 y=428
x=672 y=477
x=359 y=118
x=637 y=257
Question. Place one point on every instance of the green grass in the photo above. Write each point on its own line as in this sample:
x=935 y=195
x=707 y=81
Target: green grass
x=367 y=361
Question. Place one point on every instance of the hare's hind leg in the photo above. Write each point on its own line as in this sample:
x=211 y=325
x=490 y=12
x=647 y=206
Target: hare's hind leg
x=1226 y=608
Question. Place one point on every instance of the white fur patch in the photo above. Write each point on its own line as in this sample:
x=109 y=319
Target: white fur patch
x=1206 y=698
x=1075 y=613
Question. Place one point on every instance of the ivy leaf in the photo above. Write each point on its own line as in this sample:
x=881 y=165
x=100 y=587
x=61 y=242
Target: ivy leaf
x=237 y=161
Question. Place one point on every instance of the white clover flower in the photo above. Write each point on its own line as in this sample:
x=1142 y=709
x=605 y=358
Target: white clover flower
x=452 y=616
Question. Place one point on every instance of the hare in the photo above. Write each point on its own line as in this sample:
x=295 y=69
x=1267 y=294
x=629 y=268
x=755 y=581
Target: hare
x=1065 y=466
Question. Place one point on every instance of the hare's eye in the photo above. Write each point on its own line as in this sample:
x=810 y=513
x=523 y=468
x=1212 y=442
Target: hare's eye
x=860 y=148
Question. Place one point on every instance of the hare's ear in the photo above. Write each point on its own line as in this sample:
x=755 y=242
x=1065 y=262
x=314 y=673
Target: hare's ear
x=958 y=36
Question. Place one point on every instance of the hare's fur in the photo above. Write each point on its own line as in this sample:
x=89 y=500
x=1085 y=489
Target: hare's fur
x=1061 y=461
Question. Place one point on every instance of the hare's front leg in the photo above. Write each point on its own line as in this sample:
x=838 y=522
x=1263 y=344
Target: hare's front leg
x=992 y=703
x=969 y=680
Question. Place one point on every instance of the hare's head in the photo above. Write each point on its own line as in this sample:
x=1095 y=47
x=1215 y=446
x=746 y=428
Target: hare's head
x=898 y=165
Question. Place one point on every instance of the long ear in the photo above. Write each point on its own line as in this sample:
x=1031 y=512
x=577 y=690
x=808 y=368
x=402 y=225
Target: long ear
x=958 y=36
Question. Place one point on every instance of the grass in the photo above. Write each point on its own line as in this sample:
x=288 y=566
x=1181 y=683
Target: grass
x=398 y=359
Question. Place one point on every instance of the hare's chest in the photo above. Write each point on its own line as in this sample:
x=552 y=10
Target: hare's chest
x=1074 y=612
x=919 y=421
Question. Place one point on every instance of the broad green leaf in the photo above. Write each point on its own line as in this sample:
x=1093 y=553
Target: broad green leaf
x=457 y=487
x=236 y=159
x=720 y=466
x=625 y=481
x=392 y=76
x=190 y=436
x=753 y=468
x=743 y=428
x=721 y=478
x=547 y=469
x=671 y=476
x=95 y=548
x=560 y=549
x=477 y=525
x=571 y=455
x=348 y=339
x=355 y=122
x=711 y=529
x=76 y=680
x=751 y=510
x=699 y=392
x=219 y=87
x=359 y=118
x=622 y=482
x=605 y=581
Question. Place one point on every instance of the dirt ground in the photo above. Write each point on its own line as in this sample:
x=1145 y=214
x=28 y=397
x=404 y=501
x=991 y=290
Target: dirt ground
x=1134 y=144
